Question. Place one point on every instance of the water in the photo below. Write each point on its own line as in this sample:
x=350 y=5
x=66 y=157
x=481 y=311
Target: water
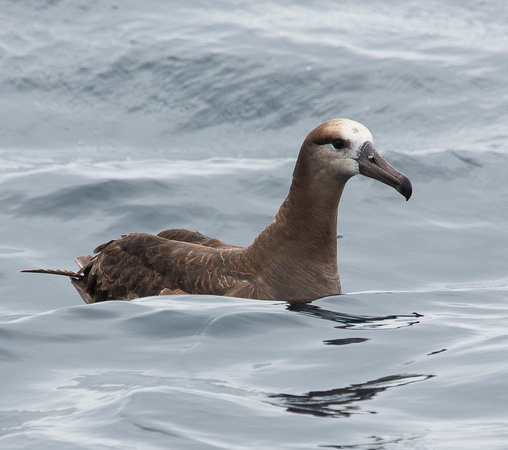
x=117 y=117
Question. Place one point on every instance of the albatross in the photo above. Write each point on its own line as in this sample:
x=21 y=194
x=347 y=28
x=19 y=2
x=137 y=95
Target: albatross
x=293 y=259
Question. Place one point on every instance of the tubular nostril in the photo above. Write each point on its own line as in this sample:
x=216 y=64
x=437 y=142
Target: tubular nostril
x=372 y=159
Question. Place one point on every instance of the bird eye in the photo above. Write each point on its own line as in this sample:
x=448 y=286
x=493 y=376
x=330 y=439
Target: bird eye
x=339 y=144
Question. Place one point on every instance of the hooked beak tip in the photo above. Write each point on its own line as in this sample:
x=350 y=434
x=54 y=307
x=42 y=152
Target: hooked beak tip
x=373 y=165
x=405 y=188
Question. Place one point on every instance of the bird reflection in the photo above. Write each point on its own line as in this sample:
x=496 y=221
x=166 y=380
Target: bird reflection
x=345 y=341
x=352 y=321
x=341 y=402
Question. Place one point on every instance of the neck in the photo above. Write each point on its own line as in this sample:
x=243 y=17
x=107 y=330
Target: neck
x=297 y=253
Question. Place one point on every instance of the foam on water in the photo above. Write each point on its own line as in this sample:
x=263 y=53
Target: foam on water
x=153 y=169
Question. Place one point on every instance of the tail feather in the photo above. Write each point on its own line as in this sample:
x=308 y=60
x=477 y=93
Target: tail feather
x=83 y=261
x=66 y=273
x=78 y=279
x=81 y=288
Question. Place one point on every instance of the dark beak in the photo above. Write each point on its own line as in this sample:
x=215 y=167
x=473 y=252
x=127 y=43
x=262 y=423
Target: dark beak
x=373 y=165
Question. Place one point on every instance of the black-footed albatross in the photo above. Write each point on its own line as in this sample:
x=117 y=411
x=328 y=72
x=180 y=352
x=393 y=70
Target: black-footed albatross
x=293 y=259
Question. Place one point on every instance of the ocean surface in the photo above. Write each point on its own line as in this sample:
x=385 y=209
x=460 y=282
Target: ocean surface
x=121 y=116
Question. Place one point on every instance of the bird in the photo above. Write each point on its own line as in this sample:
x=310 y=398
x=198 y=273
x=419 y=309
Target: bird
x=294 y=259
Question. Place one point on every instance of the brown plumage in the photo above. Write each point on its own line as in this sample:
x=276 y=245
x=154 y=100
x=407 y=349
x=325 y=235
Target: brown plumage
x=293 y=259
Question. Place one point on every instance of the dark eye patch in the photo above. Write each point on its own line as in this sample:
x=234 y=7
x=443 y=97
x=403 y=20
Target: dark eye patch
x=339 y=144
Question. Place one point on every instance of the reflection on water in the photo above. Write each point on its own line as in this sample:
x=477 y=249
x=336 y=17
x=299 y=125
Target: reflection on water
x=357 y=322
x=345 y=341
x=341 y=402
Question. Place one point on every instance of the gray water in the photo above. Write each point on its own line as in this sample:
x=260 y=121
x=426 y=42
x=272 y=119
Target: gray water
x=141 y=116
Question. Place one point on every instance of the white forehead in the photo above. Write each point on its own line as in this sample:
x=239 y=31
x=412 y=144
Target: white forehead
x=354 y=131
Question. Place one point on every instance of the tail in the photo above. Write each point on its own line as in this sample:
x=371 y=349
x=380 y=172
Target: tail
x=82 y=262
x=78 y=279
x=66 y=273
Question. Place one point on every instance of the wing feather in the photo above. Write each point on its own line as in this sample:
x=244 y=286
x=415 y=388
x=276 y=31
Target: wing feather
x=194 y=237
x=141 y=265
